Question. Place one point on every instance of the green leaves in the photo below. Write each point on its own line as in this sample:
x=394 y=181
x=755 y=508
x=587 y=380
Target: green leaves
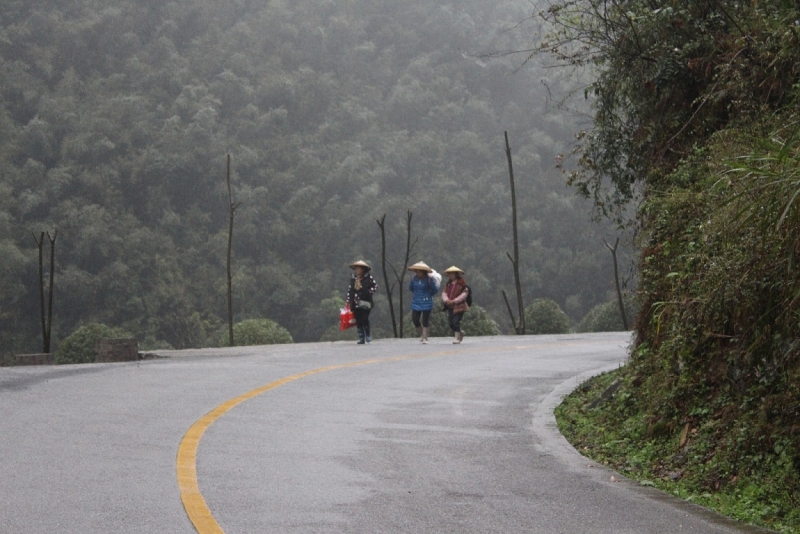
x=258 y=332
x=667 y=79
x=115 y=120
x=81 y=345
x=544 y=316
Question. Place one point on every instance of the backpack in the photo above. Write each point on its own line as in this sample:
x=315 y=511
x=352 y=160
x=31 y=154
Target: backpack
x=469 y=295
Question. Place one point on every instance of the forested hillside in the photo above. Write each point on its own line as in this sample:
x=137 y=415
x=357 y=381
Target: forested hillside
x=696 y=110
x=116 y=118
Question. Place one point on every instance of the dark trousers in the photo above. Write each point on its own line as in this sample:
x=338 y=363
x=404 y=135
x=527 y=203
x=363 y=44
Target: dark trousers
x=454 y=319
x=424 y=314
x=362 y=318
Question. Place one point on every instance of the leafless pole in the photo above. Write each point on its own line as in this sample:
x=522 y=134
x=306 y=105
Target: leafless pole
x=40 y=245
x=230 y=246
x=50 y=296
x=389 y=289
x=402 y=274
x=508 y=307
x=519 y=326
x=616 y=282
x=409 y=248
x=46 y=317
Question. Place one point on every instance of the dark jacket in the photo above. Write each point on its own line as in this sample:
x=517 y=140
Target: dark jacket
x=368 y=287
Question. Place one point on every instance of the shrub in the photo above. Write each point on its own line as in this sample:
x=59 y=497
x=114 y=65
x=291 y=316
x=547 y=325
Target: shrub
x=545 y=316
x=605 y=317
x=257 y=332
x=81 y=345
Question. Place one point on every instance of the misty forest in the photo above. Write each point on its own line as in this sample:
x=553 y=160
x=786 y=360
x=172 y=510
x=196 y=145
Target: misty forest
x=116 y=119
x=675 y=120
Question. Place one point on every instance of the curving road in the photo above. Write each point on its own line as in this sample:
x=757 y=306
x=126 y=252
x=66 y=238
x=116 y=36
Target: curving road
x=328 y=437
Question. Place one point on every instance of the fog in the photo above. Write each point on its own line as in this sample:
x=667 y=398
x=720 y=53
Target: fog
x=116 y=119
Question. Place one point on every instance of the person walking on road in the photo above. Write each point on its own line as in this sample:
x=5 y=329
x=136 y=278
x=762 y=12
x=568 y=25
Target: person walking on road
x=359 y=298
x=423 y=287
x=454 y=297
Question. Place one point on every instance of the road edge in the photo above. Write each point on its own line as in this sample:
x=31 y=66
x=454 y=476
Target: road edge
x=552 y=442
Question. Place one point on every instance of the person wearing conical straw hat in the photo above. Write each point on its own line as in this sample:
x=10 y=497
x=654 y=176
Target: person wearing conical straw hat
x=359 y=298
x=454 y=297
x=423 y=287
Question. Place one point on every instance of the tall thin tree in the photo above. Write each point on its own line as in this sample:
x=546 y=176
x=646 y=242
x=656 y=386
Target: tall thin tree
x=50 y=290
x=400 y=276
x=519 y=325
x=232 y=210
x=40 y=245
x=46 y=315
x=616 y=282
x=389 y=289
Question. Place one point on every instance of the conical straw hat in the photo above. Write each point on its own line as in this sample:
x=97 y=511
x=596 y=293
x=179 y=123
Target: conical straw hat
x=360 y=263
x=420 y=266
x=453 y=269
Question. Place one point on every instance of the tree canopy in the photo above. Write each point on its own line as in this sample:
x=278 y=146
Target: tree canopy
x=116 y=117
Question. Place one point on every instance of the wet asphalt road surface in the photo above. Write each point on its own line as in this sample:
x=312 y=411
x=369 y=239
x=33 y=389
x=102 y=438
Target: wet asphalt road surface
x=420 y=438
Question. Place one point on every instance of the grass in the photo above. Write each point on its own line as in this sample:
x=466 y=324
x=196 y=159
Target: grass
x=686 y=460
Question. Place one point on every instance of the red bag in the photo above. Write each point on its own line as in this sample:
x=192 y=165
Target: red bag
x=346 y=318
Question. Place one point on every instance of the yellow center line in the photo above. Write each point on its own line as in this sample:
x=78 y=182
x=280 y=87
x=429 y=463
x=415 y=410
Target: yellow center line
x=193 y=502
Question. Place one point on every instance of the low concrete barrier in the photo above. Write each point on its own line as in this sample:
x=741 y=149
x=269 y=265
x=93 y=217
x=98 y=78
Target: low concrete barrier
x=34 y=359
x=117 y=350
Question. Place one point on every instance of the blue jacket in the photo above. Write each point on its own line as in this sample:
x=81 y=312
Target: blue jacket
x=423 y=289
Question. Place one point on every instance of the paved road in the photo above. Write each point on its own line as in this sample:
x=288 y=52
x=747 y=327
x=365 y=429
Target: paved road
x=435 y=438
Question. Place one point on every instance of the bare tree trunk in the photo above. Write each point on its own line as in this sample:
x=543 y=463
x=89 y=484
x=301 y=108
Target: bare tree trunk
x=230 y=247
x=50 y=296
x=40 y=245
x=508 y=307
x=616 y=282
x=402 y=276
x=519 y=327
x=382 y=224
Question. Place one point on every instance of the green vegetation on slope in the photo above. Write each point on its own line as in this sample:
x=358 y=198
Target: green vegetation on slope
x=696 y=113
x=683 y=460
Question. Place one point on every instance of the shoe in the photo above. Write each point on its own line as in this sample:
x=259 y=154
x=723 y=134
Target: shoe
x=360 y=336
x=424 y=338
x=457 y=340
x=461 y=335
